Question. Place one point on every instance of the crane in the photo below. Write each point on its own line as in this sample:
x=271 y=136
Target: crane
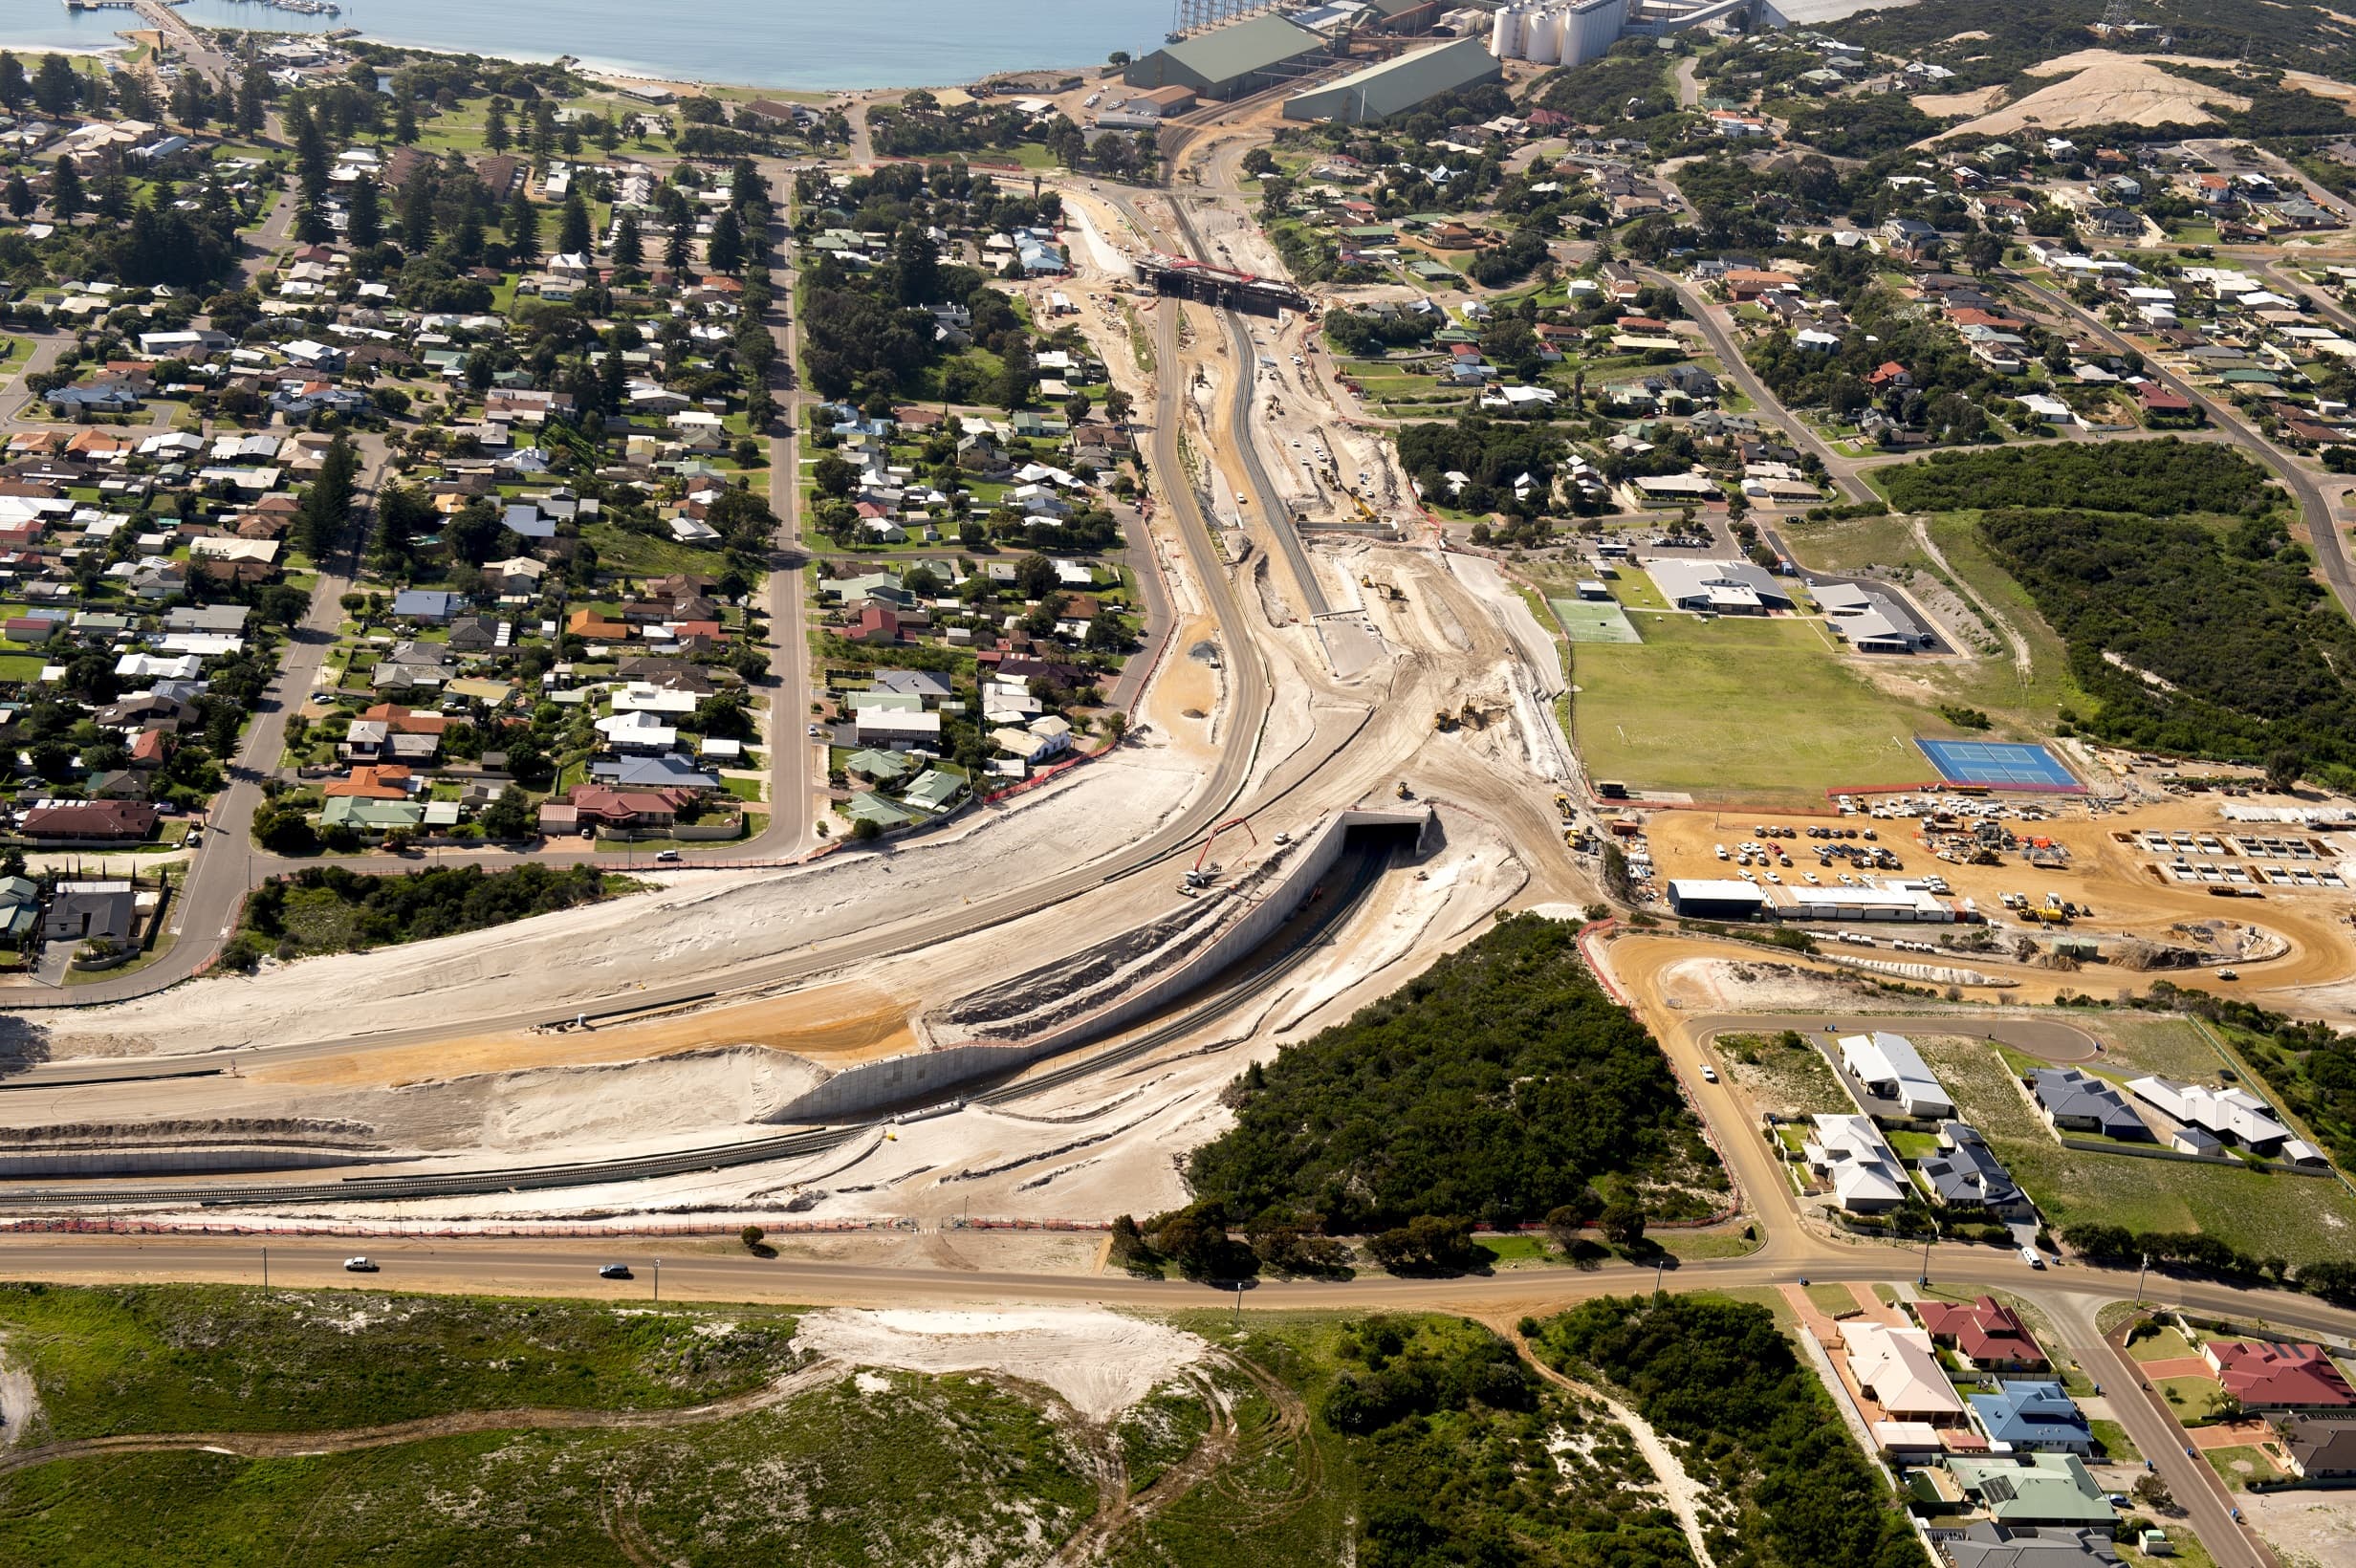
x=1199 y=877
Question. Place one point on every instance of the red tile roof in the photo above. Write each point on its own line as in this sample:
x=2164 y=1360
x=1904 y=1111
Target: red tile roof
x=2279 y=1377
x=1986 y=1330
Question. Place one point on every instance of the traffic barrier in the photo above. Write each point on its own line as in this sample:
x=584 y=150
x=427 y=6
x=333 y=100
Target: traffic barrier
x=119 y=1226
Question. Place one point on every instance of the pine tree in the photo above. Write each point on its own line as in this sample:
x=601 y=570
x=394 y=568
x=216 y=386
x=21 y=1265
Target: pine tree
x=20 y=198
x=629 y=250
x=724 y=250
x=65 y=192
x=494 y=127
x=521 y=225
x=676 y=252
x=417 y=217
x=311 y=225
x=365 y=228
x=15 y=89
x=574 y=238
x=253 y=100
x=327 y=506
x=405 y=122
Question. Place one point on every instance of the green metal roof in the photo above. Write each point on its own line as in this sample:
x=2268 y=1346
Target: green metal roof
x=1224 y=53
x=1396 y=86
x=934 y=791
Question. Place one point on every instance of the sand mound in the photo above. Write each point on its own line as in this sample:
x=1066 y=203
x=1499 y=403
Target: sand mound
x=1949 y=105
x=1099 y=1362
x=2101 y=88
x=610 y=1103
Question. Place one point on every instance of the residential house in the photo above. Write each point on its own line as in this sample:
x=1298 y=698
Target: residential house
x=2076 y=1101
x=2234 y=1115
x=1899 y=1369
x=69 y=822
x=1966 y=1174
x=2264 y=1375
x=1849 y=1153
x=1985 y=1332
x=2033 y=1490
x=82 y=911
x=2319 y=1448
x=2034 y=1418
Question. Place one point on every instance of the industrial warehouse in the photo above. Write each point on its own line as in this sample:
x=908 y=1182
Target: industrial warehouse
x=1396 y=86
x=1233 y=61
x=1715 y=898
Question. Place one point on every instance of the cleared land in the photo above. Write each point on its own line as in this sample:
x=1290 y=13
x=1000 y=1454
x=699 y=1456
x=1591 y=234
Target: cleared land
x=1738 y=708
x=2300 y=1218
x=2101 y=88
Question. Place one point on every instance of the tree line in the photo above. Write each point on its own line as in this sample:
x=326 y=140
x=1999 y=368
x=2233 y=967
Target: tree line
x=2162 y=478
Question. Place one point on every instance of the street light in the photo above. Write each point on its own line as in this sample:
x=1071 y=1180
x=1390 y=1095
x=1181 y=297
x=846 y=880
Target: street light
x=2143 y=1268
x=658 y=1281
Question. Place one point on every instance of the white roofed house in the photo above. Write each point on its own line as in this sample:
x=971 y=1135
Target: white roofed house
x=1899 y=1369
x=1849 y=1154
x=2234 y=1116
x=1890 y=1069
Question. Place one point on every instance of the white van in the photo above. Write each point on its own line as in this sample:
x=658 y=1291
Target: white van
x=2030 y=1256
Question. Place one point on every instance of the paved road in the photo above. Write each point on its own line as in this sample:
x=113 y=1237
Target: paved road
x=1707 y=316
x=2322 y=528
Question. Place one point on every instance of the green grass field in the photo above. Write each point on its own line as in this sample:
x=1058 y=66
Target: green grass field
x=1990 y=681
x=1739 y=708
x=2303 y=1219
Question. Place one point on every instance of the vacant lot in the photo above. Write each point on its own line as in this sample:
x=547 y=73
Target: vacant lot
x=2300 y=1218
x=1738 y=708
x=1789 y=1079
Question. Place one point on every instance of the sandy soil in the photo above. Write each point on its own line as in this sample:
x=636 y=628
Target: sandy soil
x=20 y=1401
x=1945 y=105
x=834 y=1024
x=2115 y=878
x=696 y=922
x=2309 y=1529
x=2101 y=88
x=1099 y=1362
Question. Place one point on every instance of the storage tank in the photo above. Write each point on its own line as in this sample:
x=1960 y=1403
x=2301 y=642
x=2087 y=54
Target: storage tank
x=1505 y=33
x=1542 y=44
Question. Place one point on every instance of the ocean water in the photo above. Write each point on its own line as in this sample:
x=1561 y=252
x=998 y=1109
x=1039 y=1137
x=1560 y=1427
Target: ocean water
x=808 y=45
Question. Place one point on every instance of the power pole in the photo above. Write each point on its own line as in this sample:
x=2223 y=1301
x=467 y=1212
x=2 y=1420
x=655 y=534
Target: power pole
x=658 y=1281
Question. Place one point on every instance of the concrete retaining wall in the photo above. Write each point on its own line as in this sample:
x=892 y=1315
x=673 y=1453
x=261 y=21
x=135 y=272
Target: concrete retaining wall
x=188 y=1160
x=871 y=1086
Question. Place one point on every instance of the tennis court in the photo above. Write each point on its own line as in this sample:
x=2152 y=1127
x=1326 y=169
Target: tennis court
x=1997 y=765
x=1592 y=621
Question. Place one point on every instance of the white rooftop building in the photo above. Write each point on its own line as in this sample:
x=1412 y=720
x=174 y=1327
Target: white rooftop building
x=1849 y=1152
x=1892 y=1069
x=2236 y=1115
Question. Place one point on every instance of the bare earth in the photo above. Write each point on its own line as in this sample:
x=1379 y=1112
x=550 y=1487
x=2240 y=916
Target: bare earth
x=2101 y=88
x=1100 y=1361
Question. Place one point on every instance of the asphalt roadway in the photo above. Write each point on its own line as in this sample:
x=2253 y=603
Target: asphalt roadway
x=711 y=1270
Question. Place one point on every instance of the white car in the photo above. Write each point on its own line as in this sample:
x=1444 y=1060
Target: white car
x=1710 y=1074
x=359 y=1265
x=2029 y=1255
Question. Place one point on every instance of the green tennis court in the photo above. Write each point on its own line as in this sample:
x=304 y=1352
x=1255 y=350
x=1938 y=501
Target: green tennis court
x=1590 y=621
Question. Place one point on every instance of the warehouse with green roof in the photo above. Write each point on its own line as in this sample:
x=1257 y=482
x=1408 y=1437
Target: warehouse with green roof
x=1231 y=61
x=1396 y=86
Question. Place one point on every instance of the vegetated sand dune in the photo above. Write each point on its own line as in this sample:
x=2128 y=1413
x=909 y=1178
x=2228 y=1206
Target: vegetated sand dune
x=2099 y=87
x=1100 y=1361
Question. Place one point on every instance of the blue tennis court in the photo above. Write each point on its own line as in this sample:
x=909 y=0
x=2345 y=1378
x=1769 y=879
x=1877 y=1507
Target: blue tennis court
x=1997 y=765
